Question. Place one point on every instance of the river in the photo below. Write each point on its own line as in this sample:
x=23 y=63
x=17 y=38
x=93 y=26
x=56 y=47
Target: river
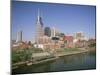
x=82 y=61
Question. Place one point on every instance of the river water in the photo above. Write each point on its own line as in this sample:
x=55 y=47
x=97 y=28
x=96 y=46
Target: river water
x=82 y=61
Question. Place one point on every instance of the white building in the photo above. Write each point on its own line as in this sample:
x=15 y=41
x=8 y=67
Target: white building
x=39 y=46
x=19 y=36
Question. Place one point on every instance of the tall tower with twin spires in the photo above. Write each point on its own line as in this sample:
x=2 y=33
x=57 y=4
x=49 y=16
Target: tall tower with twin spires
x=39 y=28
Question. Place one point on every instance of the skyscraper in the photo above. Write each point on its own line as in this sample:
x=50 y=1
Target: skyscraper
x=47 y=31
x=19 y=36
x=53 y=32
x=39 y=27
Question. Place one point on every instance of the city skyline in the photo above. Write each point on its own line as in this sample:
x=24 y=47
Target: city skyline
x=60 y=16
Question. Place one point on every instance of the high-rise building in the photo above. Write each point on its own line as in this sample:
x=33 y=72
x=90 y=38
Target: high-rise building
x=53 y=32
x=47 y=31
x=19 y=36
x=39 y=27
x=79 y=36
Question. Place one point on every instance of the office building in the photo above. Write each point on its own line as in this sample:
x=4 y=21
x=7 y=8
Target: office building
x=19 y=36
x=47 y=31
x=39 y=28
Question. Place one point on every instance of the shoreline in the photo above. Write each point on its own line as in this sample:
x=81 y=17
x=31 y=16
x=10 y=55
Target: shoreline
x=71 y=53
x=42 y=61
x=57 y=55
x=27 y=63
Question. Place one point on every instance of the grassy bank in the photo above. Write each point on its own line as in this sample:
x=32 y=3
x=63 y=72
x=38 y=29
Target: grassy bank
x=20 y=58
x=70 y=51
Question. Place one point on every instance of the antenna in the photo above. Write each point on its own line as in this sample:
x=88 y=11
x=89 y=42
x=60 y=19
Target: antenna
x=38 y=14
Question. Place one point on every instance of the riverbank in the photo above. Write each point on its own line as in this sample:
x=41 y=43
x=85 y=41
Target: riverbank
x=57 y=55
x=29 y=63
x=63 y=53
x=81 y=61
x=42 y=61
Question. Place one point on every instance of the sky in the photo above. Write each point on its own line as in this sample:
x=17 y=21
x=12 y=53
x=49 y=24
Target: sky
x=66 y=18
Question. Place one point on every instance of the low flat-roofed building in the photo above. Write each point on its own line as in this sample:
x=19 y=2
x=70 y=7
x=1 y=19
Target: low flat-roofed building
x=68 y=41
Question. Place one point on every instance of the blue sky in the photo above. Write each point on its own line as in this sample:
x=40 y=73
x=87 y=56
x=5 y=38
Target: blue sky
x=66 y=18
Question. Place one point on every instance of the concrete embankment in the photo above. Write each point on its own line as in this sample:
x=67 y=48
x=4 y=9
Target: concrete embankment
x=42 y=61
x=28 y=63
x=14 y=66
